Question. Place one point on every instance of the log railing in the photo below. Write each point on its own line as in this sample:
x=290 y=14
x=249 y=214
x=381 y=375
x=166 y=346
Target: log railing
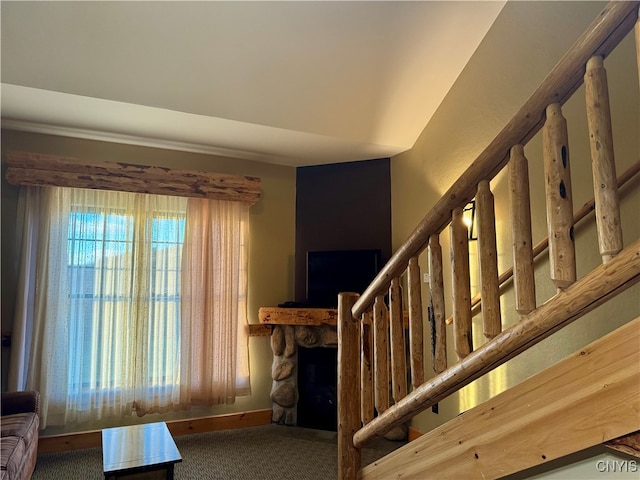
x=523 y=255
x=371 y=336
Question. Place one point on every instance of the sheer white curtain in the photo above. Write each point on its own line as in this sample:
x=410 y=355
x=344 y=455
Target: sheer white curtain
x=25 y=330
x=214 y=303
x=105 y=328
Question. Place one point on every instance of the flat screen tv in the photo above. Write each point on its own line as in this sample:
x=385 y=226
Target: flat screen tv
x=330 y=272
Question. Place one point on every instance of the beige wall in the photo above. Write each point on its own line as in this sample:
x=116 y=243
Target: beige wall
x=525 y=42
x=272 y=227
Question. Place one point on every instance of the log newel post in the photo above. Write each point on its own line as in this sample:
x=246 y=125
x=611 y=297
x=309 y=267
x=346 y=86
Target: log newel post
x=436 y=287
x=366 y=367
x=490 y=286
x=416 y=343
x=398 y=351
x=521 y=236
x=349 y=458
x=555 y=142
x=602 y=159
x=461 y=285
x=381 y=354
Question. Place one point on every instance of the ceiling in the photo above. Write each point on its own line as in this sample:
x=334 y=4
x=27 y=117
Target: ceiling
x=294 y=83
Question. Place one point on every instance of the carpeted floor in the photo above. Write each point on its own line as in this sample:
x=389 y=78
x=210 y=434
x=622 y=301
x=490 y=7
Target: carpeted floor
x=270 y=452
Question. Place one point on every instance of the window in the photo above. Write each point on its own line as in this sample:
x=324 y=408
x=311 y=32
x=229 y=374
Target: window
x=99 y=250
x=141 y=305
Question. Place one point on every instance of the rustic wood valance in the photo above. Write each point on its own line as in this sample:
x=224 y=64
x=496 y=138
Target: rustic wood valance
x=38 y=169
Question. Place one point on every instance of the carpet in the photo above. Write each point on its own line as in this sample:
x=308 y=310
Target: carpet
x=269 y=452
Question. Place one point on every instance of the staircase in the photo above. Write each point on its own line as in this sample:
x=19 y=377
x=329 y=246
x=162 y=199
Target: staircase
x=558 y=411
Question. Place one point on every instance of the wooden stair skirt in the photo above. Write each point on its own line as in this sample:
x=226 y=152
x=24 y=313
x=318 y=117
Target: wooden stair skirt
x=589 y=398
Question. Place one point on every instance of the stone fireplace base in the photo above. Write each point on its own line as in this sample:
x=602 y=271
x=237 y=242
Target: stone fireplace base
x=293 y=328
x=285 y=340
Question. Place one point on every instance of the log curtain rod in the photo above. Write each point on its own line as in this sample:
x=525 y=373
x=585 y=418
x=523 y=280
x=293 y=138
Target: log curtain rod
x=36 y=169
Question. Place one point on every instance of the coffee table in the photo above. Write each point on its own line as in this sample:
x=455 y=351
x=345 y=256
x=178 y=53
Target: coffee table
x=140 y=452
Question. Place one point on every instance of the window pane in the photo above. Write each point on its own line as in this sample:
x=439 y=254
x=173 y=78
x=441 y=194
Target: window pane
x=102 y=258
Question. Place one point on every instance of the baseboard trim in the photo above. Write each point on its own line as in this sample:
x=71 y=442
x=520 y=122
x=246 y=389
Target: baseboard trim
x=91 y=439
x=414 y=433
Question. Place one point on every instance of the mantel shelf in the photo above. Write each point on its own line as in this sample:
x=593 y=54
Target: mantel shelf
x=298 y=316
x=270 y=316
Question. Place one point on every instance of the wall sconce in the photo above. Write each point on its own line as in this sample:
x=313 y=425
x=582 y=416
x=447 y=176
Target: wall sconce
x=469 y=219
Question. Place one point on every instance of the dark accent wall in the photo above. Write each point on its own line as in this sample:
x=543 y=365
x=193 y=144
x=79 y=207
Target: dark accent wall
x=341 y=206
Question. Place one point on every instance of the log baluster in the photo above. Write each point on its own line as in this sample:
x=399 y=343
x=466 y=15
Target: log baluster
x=436 y=287
x=490 y=286
x=521 y=237
x=461 y=285
x=416 y=343
x=381 y=354
x=349 y=458
x=542 y=245
x=602 y=159
x=591 y=291
x=398 y=351
x=366 y=367
x=562 y=258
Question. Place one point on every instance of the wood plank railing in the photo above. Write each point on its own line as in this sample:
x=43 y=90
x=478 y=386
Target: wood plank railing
x=371 y=335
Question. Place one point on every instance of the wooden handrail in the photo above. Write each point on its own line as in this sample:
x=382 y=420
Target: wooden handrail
x=581 y=297
x=540 y=247
x=604 y=33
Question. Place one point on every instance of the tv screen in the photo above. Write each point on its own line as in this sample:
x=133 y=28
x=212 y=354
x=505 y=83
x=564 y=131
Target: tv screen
x=330 y=272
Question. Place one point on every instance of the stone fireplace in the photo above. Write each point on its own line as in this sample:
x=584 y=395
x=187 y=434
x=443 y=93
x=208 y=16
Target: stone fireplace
x=294 y=329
